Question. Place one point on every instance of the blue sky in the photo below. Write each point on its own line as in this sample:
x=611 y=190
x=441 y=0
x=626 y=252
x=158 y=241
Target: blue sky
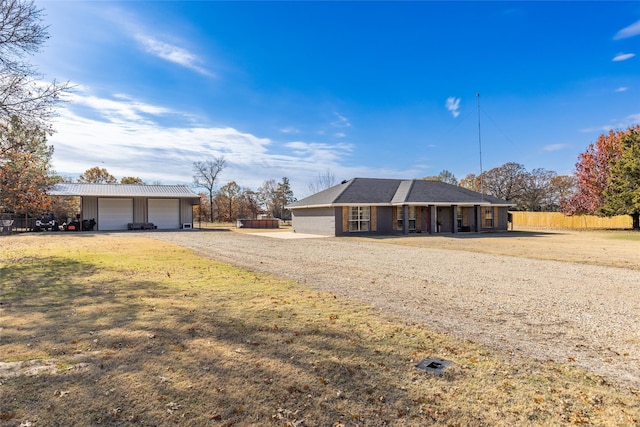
x=362 y=89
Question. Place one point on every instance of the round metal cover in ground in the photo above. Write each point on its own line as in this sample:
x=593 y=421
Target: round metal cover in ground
x=434 y=365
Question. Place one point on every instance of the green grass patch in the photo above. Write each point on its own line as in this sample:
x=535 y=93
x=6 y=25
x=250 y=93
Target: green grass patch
x=633 y=236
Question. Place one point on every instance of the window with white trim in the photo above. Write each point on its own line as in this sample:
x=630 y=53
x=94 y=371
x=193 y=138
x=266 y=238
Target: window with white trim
x=412 y=217
x=488 y=217
x=359 y=218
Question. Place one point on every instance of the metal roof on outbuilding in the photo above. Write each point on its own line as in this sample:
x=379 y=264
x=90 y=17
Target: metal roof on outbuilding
x=123 y=190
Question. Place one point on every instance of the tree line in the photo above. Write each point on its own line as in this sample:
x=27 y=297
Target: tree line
x=606 y=179
x=231 y=201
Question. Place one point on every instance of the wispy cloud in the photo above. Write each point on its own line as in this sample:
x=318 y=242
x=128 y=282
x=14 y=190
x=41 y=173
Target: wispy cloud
x=319 y=152
x=630 y=31
x=128 y=137
x=622 y=89
x=171 y=53
x=290 y=130
x=118 y=108
x=342 y=121
x=555 y=147
x=623 y=57
x=630 y=120
x=453 y=105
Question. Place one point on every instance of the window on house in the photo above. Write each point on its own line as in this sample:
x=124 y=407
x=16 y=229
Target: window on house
x=359 y=217
x=412 y=217
x=488 y=217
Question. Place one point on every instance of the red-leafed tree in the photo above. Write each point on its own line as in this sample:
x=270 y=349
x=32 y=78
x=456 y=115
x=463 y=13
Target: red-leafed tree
x=592 y=175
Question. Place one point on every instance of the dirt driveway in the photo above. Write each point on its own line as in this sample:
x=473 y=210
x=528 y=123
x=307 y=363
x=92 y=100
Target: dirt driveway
x=587 y=315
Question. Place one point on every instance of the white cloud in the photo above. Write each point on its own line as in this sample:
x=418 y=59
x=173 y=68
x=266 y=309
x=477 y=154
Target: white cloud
x=555 y=147
x=453 y=105
x=630 y=120
x=120 y=108
x=630 y=31
x=289 y=130
x=342 y=121
x=319 y=152
x=171 y=53
x=623 y=57
x=622 y=89
x=127 y=137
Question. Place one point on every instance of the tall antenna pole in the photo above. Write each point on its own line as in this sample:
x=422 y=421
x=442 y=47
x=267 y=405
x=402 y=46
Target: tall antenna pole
x=480 y=148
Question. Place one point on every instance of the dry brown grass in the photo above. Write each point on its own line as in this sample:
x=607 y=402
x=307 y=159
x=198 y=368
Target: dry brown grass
x=104 y=330
x=612 y=248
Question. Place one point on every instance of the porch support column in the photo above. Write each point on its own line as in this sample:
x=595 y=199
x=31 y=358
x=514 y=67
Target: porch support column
x=405 y=219
x=433 y=226
x=478 y=214
x=454 y=218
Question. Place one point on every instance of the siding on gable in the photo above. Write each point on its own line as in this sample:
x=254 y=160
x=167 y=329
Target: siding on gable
x=319 y=221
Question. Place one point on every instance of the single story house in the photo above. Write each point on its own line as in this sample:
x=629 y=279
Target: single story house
x=398 y=206
x=117 y=206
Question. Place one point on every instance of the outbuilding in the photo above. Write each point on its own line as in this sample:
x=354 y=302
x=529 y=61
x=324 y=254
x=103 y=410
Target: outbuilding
x=398 y=206
x=128 y=206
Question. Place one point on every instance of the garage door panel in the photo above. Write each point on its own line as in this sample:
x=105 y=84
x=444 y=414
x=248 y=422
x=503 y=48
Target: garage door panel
x=164 y=213
x=114 y=214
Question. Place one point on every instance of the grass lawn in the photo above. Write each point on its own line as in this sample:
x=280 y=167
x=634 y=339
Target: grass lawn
x=103 y=330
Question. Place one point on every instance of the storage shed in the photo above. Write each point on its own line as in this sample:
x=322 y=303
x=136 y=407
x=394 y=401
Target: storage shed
x=118 y=206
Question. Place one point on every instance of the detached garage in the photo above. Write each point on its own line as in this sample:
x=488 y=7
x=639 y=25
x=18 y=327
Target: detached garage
x=117 y=206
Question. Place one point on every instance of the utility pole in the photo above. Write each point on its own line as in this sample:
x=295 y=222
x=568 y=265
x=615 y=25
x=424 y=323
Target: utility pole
x=480 y=148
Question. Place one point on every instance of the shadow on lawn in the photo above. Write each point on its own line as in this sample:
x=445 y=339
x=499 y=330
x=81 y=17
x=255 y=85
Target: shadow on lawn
x=144 y=352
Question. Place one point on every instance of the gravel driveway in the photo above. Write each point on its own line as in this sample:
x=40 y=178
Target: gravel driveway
x=574 y=313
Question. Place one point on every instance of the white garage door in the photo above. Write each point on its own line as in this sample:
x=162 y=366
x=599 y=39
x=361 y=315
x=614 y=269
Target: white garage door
x=164 y=213
x=114 y=214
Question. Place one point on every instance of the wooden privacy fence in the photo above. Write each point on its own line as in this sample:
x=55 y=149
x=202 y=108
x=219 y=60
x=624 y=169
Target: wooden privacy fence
x=560 y=220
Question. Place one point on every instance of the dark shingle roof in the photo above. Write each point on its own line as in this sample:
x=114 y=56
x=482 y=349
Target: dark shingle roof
x=375 y=191
x=441 y=192
x=368 y=190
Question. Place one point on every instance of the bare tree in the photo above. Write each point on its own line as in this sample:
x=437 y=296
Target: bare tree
x=321 y=182
x=443 y=176
x=537 y=189
x=267 y=196
x=230 y=192
x=206 y=174
x=22 y=94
